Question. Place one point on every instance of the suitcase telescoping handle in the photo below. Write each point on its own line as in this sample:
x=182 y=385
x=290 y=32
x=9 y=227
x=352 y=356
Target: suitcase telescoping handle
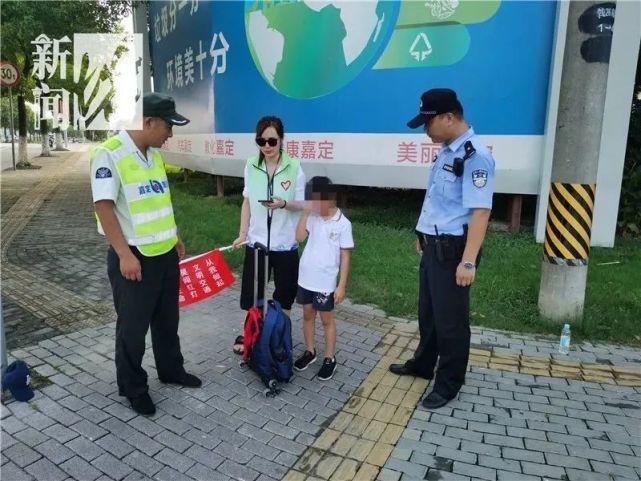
x=265 y=248
x=257 y=248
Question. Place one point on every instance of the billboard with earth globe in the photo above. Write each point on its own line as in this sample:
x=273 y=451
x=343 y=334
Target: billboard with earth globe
x=345 y=76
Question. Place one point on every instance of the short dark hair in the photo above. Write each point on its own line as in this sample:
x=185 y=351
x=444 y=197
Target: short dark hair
x=321 y=185
x=458 y=112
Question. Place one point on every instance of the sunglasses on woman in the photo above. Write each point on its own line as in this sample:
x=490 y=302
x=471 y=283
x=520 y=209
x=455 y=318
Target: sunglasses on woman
x=272 y=141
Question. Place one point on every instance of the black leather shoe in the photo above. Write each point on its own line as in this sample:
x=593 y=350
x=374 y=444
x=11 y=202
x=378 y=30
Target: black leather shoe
x=402 y=370
x=405 y=370
x=434 y=401
x=187 y=380
x=143 y=405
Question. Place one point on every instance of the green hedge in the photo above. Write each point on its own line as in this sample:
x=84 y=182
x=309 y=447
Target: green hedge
x=629 y=220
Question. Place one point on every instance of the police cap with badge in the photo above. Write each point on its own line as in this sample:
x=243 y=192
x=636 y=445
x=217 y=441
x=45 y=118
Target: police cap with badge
x=442 y=101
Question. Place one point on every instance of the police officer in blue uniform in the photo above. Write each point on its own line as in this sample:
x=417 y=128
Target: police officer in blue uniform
x=450 y=231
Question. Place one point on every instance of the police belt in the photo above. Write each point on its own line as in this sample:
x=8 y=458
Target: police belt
x=431 y=239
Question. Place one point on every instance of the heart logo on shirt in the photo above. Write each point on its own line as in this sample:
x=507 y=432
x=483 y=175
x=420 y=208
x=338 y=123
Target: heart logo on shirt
x=285 y=184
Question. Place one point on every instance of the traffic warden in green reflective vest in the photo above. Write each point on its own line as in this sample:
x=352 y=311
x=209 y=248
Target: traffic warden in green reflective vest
x=450 y=232
x=134 y=212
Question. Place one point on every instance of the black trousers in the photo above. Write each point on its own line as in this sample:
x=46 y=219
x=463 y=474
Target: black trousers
x=283 y=265
x=139 y=305
x=443 y=318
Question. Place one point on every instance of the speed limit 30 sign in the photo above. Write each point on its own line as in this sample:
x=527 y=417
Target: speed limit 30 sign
x=9 y=74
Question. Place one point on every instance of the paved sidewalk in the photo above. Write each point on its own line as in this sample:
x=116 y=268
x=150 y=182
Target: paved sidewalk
x=53 y=274
x=225 y=429
x=525 y=412
x=6 y=160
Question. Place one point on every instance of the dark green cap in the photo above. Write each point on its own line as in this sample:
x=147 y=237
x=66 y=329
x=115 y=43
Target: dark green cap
x=163 y=106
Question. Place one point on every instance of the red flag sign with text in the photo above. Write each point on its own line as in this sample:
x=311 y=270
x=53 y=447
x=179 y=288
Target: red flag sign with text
x=203 y=276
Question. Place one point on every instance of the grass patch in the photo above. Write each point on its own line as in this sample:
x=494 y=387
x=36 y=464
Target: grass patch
x=204 y=221
x=385 y=265
x=173 y=169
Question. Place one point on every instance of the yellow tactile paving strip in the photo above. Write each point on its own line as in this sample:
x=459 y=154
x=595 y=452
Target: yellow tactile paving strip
x=566 y=368
x=362 y=436
x=404 y=337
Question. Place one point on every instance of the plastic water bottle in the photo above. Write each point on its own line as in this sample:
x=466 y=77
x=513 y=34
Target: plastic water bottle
x=564 y=343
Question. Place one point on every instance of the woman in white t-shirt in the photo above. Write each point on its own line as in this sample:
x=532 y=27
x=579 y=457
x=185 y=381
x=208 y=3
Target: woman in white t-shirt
x=274 y=182
x=327 y=252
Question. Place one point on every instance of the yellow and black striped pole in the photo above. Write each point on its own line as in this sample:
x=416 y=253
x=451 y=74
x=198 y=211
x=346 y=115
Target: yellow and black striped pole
x=577 y=142
x=569 y=223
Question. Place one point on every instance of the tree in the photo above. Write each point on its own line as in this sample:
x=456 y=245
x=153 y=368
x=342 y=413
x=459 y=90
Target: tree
x=21 y=22
x=629 y=219
x=5 y=114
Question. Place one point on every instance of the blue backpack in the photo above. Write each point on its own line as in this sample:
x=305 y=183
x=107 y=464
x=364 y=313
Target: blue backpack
x=268 y=331
x=270 y=355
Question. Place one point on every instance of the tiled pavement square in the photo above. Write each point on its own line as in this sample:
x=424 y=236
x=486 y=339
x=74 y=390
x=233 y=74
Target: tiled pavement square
x=195 y=432
x=506 y=444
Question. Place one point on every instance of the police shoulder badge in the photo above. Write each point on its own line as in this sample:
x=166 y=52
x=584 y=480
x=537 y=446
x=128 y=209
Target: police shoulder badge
x=479 y=178
x=103 y=173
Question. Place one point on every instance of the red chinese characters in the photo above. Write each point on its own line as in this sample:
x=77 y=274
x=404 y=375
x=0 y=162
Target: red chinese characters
x=202 y=277
x=292 y=148
x=184 y=145
x=429 y=152
x=220 y=147
x=406 y=152
x=210 y=146
x=229 y=148
x=423 y=153
x=310 y=149
x=326 y=150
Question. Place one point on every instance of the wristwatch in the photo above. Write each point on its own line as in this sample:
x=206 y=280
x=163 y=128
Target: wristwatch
x=469 y=265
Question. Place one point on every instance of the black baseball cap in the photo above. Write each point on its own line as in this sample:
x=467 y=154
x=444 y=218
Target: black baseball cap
x=433 y=103
x=16 y=379
x=163 y=106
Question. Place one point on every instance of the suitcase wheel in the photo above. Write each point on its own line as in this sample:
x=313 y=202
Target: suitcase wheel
x=272 y=389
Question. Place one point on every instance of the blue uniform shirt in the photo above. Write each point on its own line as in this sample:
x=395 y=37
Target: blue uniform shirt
x=449 y=199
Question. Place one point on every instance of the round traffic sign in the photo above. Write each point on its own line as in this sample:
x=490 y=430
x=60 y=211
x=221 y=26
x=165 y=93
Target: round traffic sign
x=9 y=74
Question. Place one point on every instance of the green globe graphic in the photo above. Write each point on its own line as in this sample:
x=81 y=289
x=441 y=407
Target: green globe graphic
x=307 y=49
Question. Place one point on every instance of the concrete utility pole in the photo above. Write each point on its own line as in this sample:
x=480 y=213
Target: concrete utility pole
x=140 y=12
x=576 y=155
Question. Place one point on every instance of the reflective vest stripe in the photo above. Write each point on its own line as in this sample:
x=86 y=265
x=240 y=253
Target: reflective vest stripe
x=158 y=225
x=139 y=206
x=141 y=241
x=145 y=217
x=156 y=237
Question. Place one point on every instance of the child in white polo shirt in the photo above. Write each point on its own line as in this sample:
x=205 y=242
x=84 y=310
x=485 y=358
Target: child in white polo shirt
x=329 y=243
